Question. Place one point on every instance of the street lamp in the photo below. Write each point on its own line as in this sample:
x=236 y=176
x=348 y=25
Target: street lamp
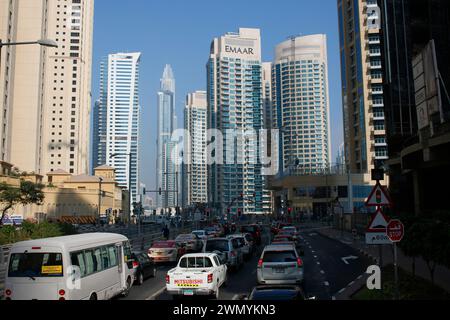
x=130 y=155
x=43 y=42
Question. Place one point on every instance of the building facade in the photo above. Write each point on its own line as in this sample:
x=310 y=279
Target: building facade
x=47 y=89
x=360 y=29
x=301 y=103
x=235 y=106
x=117 y=119
x=195 y=169
x=166 y=169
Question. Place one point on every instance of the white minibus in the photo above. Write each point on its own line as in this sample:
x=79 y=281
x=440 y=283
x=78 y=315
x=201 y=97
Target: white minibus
x=93 y=266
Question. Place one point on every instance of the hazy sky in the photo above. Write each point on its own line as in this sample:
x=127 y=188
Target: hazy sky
x=179 y=32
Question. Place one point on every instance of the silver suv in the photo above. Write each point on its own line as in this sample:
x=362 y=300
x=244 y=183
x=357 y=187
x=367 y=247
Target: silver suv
x=280 y=265
x=227 y=249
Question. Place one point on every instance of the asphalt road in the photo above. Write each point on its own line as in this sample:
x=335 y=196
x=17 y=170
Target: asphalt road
x=326 y=273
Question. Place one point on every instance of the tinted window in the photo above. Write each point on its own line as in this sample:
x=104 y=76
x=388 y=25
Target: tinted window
x=280 y=256
x=112 y=250
x=35 y=265
x=77 y=259
x=90 y=265
x=217 y=245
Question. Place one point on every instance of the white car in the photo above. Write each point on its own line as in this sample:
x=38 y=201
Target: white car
x=200 y=274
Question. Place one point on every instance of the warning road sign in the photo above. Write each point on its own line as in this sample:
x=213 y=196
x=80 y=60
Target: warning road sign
x=378 y=197
x=376 y=231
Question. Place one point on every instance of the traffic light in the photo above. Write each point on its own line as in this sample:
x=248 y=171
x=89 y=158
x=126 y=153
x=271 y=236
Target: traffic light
x=289 y=210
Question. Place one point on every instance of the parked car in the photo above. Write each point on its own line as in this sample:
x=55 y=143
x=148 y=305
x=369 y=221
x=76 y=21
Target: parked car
x=254 y=230
x=280 y=265
x=144 y=267
x=197 y=274
x=227 y=249
x=166 y=251
x=244 y=245
x=191 y=242
x=277 y=293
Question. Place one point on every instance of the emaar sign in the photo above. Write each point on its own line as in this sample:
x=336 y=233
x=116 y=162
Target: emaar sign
x=238 y=50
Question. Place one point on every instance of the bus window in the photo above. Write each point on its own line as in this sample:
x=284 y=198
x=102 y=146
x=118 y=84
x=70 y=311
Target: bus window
x=78 y=260
x=105 y=258
x=127 y=251
x=112 y=250
x=35 y=265
x=98 y=263
x=89 y=256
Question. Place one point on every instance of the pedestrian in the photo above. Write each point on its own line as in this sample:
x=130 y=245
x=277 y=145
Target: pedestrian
x=166 y=232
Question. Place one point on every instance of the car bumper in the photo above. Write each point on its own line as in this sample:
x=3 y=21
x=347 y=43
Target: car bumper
x=160 y=259
x=196 y=292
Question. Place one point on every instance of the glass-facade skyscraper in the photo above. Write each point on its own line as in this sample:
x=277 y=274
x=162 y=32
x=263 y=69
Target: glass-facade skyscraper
x=234 y=89
x=301 y=103
x=166 y=169
x=116 y=119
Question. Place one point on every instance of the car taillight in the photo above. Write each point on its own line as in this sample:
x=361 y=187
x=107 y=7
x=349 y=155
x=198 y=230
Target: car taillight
x=260 y=263
x=299 y=262
x=233 y=254
x=62 y=292
x=135 y=264
x=210 y=278
x=167 y=279
x=8 y=292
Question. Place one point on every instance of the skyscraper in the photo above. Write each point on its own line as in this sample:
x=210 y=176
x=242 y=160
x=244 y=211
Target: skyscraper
x=234 y=73
x=301 y=103
x=45 y=93
x=116 y=120
x=195 y=170
x=167 y=170
x=362 y=84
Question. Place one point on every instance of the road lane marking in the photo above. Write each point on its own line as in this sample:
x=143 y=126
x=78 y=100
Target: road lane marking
x=351 y=283
x=156 y=294
x=235 y=297
x=341 y=291
x=315 y=257
x=334 y=298
x=322 y=272
x=326 y=283
x=318 y=263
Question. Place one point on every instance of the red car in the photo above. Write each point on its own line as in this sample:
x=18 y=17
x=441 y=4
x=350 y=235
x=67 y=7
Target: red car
x=166 y=251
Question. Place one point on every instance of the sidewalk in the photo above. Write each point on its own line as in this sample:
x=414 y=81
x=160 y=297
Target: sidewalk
x=441 y=276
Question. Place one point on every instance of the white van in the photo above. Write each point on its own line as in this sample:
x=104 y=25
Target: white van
x=94 y=266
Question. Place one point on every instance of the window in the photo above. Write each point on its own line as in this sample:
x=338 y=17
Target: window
x=78 y=260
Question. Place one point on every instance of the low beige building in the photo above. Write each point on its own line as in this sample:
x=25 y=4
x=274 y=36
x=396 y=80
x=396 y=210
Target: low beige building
x=77 y=198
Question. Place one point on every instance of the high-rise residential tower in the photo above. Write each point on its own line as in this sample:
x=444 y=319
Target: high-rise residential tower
x=45 y=93
x=301 y=103
x=234 y=73
x=195 y=173
x=116 y=120
x=362 y=84
x=166 y=169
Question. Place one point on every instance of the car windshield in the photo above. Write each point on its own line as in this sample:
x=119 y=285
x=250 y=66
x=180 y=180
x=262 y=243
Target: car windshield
x=35 y=265
x=196 y=262
x=280 y=256
x=217 y=245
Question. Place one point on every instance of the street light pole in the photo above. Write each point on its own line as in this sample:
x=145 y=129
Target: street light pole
x=100 y=180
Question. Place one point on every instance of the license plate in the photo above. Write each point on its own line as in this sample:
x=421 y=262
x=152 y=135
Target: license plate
x=188 y=292
x=278 y=270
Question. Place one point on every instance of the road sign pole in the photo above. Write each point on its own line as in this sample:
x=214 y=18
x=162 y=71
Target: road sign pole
x=397 y=296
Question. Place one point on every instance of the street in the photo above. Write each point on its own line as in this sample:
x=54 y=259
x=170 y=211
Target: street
x=326 y=271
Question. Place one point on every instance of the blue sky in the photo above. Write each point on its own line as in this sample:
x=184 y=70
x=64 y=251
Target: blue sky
x=179 y=32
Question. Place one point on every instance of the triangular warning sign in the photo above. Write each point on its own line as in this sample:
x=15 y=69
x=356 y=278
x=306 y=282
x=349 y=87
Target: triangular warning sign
x=379 y=222
x=378 y=197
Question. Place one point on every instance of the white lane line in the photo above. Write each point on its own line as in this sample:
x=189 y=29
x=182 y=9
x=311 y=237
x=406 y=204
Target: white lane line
x=322 y=272
x=235 y=297
x=326 y=283
x=360 y=277
x=342 y=290
x=313 y=251
x=156 y=294
x=351 y=283
x=315 y=257
x=318 y=263
x=334 y=298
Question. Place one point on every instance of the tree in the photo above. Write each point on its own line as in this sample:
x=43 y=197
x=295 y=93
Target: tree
x=27 y=193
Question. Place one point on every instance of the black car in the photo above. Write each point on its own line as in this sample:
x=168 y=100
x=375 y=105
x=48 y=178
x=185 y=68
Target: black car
x=277 y=293
x=144 y=267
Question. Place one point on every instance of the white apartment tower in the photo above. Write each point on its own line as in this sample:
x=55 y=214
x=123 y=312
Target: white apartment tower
x=301 y=103
x=116 y=121
x=45 y=93
x=195 y=171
